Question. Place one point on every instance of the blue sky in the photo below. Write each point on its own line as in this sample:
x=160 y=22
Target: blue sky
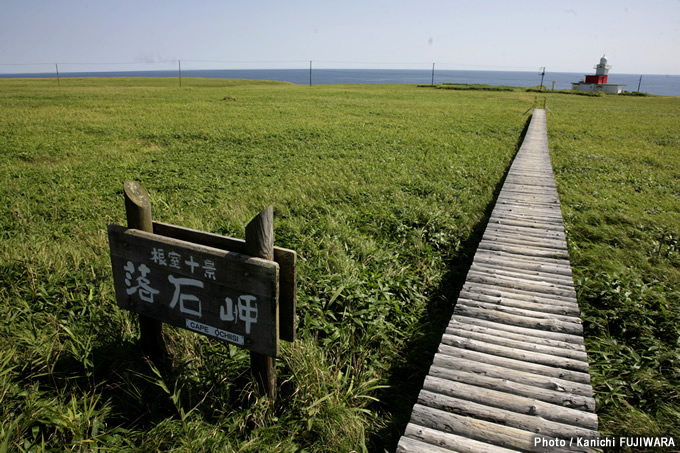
x=638 y=37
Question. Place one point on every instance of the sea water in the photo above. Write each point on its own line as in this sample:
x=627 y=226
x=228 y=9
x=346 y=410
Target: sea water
x=668 y=85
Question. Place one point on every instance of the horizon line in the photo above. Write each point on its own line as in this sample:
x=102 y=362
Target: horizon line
x=176 y=70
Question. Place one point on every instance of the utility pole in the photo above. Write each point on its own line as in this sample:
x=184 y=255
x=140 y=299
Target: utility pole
x=432 y=74
x=56 y=65
x=310 y=73
x=639 y=83
x=542 y=70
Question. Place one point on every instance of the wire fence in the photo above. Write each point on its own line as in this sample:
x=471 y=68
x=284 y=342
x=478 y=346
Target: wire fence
x=159 y=64
x=318 y=72
x=295 y=71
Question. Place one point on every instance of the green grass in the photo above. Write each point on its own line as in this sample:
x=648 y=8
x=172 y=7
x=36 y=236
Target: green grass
x=382 y=191
x=378 y=188
x=477 y=87
x=617 y=166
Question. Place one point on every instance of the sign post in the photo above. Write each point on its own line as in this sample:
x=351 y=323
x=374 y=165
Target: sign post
x=138 y=213
x=260 y=243
x=240 y=292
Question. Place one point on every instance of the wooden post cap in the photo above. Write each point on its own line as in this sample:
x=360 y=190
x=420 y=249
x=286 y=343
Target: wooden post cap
x=260 y=235
x=137 y=206
x=136 y=193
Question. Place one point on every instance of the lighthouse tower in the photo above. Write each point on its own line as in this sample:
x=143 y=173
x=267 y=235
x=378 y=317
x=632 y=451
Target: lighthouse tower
x=602 y=68
x=601 y=71
x=598 y=81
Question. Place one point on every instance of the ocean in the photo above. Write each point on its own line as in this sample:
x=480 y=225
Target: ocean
x=667 y=85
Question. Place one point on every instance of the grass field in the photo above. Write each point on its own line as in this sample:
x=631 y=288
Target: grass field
x=383 y=192
x=617 y=166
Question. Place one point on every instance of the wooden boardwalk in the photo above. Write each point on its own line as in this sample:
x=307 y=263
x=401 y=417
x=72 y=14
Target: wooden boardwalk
x=511 y=372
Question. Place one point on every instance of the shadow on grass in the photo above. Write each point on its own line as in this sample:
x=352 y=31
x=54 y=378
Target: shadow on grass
x=407 y=379
x=144 y=392
x=135 y=393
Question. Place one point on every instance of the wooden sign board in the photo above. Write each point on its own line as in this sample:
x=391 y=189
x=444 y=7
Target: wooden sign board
x=215 y=292
x=286 y=258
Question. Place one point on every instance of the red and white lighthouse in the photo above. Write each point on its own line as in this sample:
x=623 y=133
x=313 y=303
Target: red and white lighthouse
x=598 y=81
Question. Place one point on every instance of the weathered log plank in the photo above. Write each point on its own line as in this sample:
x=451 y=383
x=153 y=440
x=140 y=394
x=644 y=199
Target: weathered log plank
x=520 y=321
x=506 y=261
x=515 y=185
x=525 y=221
x=561 y=309
x=545 y=190
x=546 y=236
x=499 y=233
x=533 y=423
x=481 y=430
x=526 y=178
x=502 y=287
x=510 y=281
x=506 y=201
x=545 y=370
x=502 y=335
x=502 y=307
x=526 y=274
x=530 y=194
x=571 y=400
x=450 y=442
x=528 y=216
x=520 y=294
x=525 y=250
x=552 y=231
x=537 y=212
x=535 y=171
x=532 y=197
x=513 y=353
x=518 y=344
x=525 y=332
x=511 y=402
x=521 y=240
x=413 y=445
x=551 y=383
x=536 y=199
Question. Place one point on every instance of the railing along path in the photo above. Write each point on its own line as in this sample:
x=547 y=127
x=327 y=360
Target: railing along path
x=511 y=372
